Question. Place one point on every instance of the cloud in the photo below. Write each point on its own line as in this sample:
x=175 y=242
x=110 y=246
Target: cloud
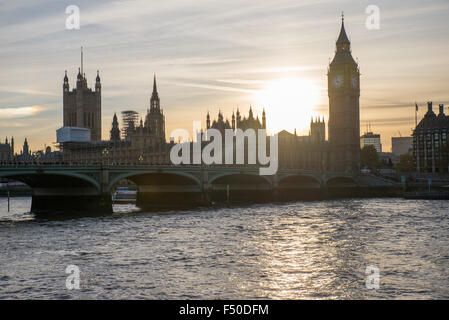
x=214 y=87
x=211 y=52
x=5 y=90
x=21 y=112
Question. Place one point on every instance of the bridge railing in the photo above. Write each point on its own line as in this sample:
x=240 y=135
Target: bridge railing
x=143 y=166
x=128 y=165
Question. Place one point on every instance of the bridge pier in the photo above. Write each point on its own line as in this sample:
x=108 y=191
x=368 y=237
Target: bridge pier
x=172 y=200
x=324 y=190
x=95 y=204
x=275 y=190
x=169 y=196
x=206 y=198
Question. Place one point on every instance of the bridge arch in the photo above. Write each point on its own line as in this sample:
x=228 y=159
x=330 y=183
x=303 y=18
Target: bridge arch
x=231 y=175
x=52 y=179
x=136 y=176
x=240 y=187
x=299 y=180
x=340 y=181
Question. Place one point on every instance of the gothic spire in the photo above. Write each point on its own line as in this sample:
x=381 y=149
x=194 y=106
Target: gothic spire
x=154 y=101
x=154 y=84
x=343 y=38
x=264 y=119
x=208 y=120
x=343 y=48
x=115 y=130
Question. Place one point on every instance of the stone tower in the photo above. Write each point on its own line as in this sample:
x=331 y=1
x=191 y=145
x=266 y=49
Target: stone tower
x=317 y=130
x=344 y=115
x=115 y=130
x=155 y=118
x=25 y=149
x=82 y=105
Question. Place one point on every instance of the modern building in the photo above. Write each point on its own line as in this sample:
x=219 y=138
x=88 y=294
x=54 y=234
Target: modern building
x=344 y=115
x=369 y=138
x=430 y=145
x=401 y=145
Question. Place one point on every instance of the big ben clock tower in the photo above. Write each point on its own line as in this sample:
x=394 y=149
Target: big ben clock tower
x=344 y=116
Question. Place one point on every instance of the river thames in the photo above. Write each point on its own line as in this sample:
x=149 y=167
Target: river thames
x=300 y=250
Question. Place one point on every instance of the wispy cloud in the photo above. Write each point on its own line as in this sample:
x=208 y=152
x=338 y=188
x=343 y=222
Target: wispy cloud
x=22 y=112
x=211 y=52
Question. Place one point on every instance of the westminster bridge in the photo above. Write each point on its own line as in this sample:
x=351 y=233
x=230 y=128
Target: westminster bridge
x=89 y=187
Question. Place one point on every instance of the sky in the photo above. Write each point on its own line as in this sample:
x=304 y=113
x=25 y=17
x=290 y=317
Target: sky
x=213 y=55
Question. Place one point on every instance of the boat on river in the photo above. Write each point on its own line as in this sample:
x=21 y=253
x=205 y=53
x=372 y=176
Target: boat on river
x=123 y=195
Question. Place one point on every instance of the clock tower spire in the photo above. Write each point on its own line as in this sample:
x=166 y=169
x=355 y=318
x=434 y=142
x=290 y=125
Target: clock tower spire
x=344 y=115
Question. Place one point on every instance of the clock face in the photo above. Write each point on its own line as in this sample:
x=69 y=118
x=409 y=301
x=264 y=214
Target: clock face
x=338 y=81
x=354 y=81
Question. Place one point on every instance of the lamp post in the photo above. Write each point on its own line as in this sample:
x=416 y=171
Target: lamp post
x=105 y=154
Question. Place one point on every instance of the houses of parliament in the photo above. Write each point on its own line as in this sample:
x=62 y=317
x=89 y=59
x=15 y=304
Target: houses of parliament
x=145 y=142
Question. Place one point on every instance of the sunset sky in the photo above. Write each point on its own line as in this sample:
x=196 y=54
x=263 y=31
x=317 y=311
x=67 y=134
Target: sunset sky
x=220 y=55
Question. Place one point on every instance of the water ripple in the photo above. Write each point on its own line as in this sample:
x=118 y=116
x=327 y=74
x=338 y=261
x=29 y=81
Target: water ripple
x=303 y=250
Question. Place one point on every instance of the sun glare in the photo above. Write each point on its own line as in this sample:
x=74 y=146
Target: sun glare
x=289 y=104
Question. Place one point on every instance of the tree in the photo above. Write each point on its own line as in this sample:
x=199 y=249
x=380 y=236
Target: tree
x=405 y=163
x=369 y=157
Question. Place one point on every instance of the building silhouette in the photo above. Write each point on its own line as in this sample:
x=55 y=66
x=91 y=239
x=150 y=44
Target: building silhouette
x=7 y=150
x=25 y=154
x=237 y=122
x=115 y=130
x=82 y=105
x=250 y=122
x=142 y=142
x=304 y=152
x=344 y=115
x=430 y=145
x=317 y=130
x=342 y=150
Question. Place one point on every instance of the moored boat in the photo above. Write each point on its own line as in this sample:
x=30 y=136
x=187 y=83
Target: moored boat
x=123 y=195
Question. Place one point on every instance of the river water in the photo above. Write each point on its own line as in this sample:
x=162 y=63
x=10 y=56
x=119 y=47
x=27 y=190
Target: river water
x=301 y=250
